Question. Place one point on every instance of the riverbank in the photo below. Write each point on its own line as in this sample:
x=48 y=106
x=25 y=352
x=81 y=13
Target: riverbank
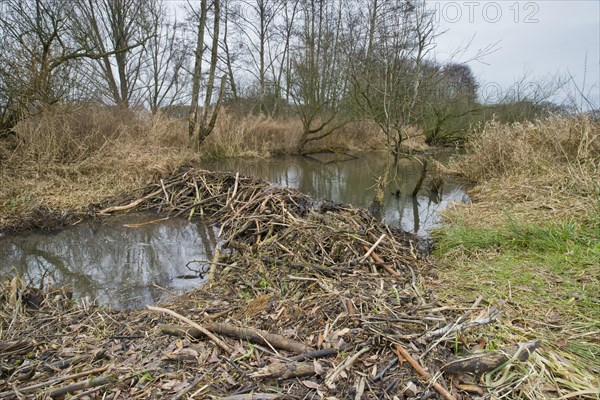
x=530 y=240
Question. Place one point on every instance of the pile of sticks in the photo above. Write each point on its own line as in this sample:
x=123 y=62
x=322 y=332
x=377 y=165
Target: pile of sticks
x=307 y=299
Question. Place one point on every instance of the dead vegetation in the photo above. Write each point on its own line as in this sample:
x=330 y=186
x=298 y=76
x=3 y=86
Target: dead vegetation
x=66 y=158
x=307 y=299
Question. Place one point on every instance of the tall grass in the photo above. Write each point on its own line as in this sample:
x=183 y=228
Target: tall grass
x=69 y=157
x=262 y=136
x=531 y=241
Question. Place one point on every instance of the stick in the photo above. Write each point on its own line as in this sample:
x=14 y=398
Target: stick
x=312 y=355
x=53 y=381
x=188 y=321
x=252 y=396
x=373 y=247
x=131 y=205
x=404 y=354
x=380 y=261
x=333 y=375
x=250 y=334
x=283 y=371
x=101 y=380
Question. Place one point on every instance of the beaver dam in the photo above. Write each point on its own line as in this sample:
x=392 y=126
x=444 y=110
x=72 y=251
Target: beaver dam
x=305 y=299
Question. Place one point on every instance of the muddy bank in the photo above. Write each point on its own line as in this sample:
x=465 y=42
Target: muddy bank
x=307 y=299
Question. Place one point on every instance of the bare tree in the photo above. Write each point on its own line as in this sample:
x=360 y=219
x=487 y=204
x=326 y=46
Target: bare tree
x=319 y=68
x=390 y=70
x=163 y=77
x=36 y=57
x=117 y=30
x=202 y=122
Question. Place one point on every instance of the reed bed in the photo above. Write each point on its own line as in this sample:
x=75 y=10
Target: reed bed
x=307 y=299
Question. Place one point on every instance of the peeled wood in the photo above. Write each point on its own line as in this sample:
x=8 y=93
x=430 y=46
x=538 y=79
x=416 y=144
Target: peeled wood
x=252 y=396
x=402 y=353
x=250 y=334
x=485 y=362
x=285 y=370
x=193 y=324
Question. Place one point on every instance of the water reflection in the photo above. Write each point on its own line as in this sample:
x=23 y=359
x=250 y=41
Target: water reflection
x=124 y=262
x=351 y=180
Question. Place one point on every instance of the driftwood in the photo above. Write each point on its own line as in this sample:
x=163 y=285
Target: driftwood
x=285 y=370
x=402 y=353
x=250 y=334
x=485 y=362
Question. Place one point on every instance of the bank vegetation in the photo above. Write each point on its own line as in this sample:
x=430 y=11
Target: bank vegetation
x=530 y=241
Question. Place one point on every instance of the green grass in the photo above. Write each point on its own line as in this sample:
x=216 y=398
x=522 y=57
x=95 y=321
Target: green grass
x=554 y=264
x=547 y=278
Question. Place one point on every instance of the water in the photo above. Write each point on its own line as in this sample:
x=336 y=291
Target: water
x=351 y=180
x=116 y=263
x=127 y=262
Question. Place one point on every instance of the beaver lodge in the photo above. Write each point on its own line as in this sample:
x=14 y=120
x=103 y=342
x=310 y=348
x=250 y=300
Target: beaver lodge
x=306 y=300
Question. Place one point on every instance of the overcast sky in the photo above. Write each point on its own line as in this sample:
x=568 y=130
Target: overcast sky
x=537 y=38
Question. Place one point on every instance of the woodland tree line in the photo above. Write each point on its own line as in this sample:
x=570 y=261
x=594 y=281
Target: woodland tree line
x=326 y=61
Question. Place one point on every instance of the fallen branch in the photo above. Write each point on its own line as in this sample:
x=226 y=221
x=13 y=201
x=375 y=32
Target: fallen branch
x=313 y=355
x=131 y=205
x=283 y=371
x=453 y=327
x=372 y=249
x=252 y=396
x=380 y=261
x=402 y=353
x=51 y=382
x=250 y=334
x=193 y=324
x=485 y=362
x=90 y=383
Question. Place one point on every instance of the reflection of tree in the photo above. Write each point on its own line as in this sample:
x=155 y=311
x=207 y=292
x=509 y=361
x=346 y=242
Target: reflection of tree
x=351 y=181
x=98 y=260
x=415 y=208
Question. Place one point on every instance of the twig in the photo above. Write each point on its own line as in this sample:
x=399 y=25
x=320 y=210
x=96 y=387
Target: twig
x=188 y=321
x=373 y=247
x=333 y=375
x=401 y=352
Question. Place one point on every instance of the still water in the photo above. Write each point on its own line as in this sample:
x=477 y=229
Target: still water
x=124 y=262
x=133 y=260
x=351 y=180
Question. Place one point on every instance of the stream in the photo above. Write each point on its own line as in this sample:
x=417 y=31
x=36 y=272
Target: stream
x=132 y=260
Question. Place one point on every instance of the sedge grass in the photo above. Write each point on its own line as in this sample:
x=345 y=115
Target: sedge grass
x=530 y=241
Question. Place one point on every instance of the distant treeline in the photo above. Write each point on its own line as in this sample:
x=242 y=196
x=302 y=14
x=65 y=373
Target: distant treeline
x=326 y=62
